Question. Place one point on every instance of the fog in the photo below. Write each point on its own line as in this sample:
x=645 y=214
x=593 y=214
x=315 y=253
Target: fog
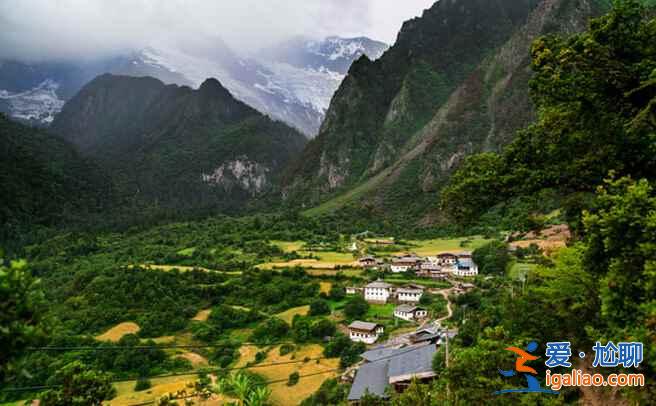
x=39 y=30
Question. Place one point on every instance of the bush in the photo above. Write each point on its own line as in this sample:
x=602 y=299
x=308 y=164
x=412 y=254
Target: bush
x=356 y=307
x=142 y=384
x=270 y=331
x=337 y=293
x=293 y=379
x=286 y=349
x=319 y=308
x=492 y=258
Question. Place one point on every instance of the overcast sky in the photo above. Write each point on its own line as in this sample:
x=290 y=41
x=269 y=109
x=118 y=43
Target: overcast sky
x=62 y=29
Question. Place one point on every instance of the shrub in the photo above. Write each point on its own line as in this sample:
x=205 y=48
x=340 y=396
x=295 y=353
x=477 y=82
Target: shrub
x=319 y=308
x=142 y=384
x=356 y=307
x=286 y=349
x=293 y=379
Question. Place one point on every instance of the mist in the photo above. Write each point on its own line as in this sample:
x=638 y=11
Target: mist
x=38 y=30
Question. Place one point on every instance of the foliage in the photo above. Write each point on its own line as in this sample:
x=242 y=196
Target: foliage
x=293 y=379
x=319 y=308
x=80 y=386
x=142 y=384
x=270 y=331
x=347 y=351
x=595 y=103
x=248 y=388
x=356 y=307
x=331 y=392
x=20 y=300
x=492 y=258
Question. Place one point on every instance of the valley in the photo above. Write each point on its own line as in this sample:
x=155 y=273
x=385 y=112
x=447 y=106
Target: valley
x=329 y=220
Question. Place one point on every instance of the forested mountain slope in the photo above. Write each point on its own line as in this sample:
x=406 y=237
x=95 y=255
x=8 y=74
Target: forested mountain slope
x=44 y=181
x=455 y=83
x=172 y=147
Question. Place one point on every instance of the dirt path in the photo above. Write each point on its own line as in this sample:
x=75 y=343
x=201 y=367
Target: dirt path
x=445 y=293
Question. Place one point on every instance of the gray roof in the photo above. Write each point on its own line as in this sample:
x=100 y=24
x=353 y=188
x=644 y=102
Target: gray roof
x=409 y=290
x=363 y=325
x=405 y=308
x=465 y=263
x=376 y=376
x=379 y=284
x=378 y=353
x=370 y=377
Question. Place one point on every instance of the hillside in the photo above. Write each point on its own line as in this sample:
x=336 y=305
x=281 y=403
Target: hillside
x=44 y=181
x=455 y=83
x=176 y=148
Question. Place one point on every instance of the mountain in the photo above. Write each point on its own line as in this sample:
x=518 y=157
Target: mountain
x=454 y=83
x=44 y=180
x=292 y=81
x=176 y=148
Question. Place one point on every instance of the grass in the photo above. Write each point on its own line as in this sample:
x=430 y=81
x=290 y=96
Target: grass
x=184 y=268
x=519 y=268
x=350 y=196
x=380 y=311
x=202 y=315
x=118 y=331
x=187 y=252
x=160 y=386
x=327 y=260
x=288 y=315
x=423 y=282
x=332 y=272
x=324 y=287
x=281 y=394
x=437 y=245
x=289 y=246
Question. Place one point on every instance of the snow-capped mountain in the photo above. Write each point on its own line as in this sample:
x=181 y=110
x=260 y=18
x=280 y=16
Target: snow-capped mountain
x=292 y=82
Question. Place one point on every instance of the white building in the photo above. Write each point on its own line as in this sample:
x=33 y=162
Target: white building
x=409 y=294
x=352 y=290
x=405 y=263
x=410 y=313
x=447 y=258
x=378 y=292
x=368 y=333
x=465 y=267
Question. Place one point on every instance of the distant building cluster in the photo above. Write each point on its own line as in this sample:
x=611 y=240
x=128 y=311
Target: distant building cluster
x=439 y=266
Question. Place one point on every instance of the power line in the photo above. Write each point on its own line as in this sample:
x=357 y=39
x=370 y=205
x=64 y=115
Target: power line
x=149 y=347
x=269 y=382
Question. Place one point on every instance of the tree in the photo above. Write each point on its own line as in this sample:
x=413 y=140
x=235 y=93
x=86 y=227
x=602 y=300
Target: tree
x=269 y=331
x=20 y=299
x=80 y=386
x=356 y=307
x=337 y=292
x=492 y=258
x=293 y=379
x=319 y=307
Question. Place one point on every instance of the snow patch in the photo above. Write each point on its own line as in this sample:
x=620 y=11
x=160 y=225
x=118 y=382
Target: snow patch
x=39 y=104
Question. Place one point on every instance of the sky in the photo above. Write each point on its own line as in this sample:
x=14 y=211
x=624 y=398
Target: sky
x=72 y=29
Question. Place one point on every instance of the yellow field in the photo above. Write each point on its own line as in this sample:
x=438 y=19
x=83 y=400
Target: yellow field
x=281 y=394
x=435 y=246
x=288 y=315
x=118 y=331
x=183 y=268
x=333 y=272
x=289 y=246
x=202 y=315
x=196 y=360
x=325 y=287
x=160 y=386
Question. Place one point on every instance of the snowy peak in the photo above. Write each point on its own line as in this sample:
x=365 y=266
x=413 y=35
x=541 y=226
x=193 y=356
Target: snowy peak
x=334 y=54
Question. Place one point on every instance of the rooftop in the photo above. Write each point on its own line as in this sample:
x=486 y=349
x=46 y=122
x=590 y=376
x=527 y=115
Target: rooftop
x=379 y=284
x=395 y=365
x=405 y=308
x=363 y=325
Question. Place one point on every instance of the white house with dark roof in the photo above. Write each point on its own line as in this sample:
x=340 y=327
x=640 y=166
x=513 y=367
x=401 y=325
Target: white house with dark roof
x=362 y=331
x=409 y=293
x=405 y=263
x=410 y=312
x=465 y=266
x=378 y=292
x=394 y=368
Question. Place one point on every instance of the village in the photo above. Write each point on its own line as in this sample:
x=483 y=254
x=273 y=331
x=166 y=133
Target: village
x=409 y=356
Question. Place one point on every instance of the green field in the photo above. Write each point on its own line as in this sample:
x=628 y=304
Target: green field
x=437 y=245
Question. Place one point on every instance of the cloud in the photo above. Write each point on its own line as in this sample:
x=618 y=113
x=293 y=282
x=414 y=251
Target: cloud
x=63 y=29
